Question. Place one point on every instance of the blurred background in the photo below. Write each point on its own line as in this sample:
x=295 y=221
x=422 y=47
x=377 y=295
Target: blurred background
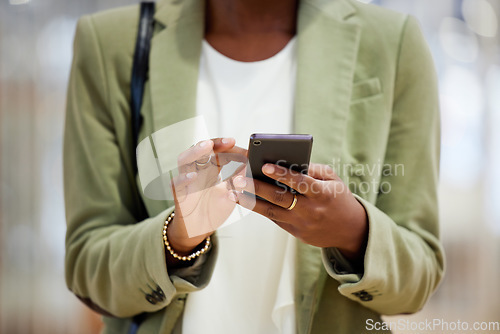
x=35 y=55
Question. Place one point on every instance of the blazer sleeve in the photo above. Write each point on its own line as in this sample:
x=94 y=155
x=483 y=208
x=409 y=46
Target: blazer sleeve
x=111 y=259
x=404 y=260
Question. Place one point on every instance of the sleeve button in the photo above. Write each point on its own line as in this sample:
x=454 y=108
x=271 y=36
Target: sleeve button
x=366 y=298
x=151 y=299
x=363 y=295
x=160 y=293
x=158 y=297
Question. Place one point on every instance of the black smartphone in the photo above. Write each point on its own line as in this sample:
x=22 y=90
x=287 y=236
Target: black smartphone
x=292 y=151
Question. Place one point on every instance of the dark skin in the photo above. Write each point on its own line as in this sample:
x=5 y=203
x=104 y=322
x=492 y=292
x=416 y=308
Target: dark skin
x=326 y=213
x=250 y=30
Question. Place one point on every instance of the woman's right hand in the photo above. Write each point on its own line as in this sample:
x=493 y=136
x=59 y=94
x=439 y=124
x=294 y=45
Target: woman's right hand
x=202 y=200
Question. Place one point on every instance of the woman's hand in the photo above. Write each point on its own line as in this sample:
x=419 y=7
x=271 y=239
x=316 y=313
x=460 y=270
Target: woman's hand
x=326 y=213
x=202 y=200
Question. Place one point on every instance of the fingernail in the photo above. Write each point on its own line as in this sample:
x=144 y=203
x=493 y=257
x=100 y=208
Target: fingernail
x=232 y=196
x=204 y=143
x=226 y=140
x=268 y=169
x=191 y=175
x=239 y=182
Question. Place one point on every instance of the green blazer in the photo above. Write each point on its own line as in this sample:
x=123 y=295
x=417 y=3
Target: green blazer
x=366 y=89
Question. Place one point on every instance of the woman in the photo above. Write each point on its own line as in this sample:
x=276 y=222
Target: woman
x=334 y=257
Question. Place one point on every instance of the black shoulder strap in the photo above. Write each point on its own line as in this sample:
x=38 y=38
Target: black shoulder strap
x=140 y=68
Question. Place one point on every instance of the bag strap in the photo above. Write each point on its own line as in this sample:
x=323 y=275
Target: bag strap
x=140 y=69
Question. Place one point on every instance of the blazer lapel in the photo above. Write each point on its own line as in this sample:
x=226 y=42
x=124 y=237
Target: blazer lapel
x=175 y=54
x=327 y=52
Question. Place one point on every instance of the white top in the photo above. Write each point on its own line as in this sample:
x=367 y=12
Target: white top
x=252 y=287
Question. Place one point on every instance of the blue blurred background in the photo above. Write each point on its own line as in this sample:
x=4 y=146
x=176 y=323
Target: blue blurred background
x=35 y=54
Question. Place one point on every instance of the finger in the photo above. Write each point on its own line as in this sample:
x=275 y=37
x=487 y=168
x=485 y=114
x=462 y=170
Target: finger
x=236 y=153
x=198 y=151
x=264 y=208
x=223 y=144
x=227 y=144
x=226 y=151
x=226 y=157
x=278 y=195
x=321 y=172
x=302 y=183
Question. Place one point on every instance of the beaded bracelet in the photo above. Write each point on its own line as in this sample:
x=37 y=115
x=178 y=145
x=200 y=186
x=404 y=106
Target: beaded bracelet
x=170 y=249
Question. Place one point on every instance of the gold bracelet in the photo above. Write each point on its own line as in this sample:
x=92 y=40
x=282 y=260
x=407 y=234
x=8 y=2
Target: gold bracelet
x=170 y=249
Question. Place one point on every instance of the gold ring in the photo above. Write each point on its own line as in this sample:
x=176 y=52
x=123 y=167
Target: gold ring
x=293 y=203
x=201 y=164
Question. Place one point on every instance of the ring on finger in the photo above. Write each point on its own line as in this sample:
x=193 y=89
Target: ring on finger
x=202 y=164
x=293 y=203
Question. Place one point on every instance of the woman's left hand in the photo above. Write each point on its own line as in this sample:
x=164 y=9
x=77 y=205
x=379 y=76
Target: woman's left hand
x=326 y=214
